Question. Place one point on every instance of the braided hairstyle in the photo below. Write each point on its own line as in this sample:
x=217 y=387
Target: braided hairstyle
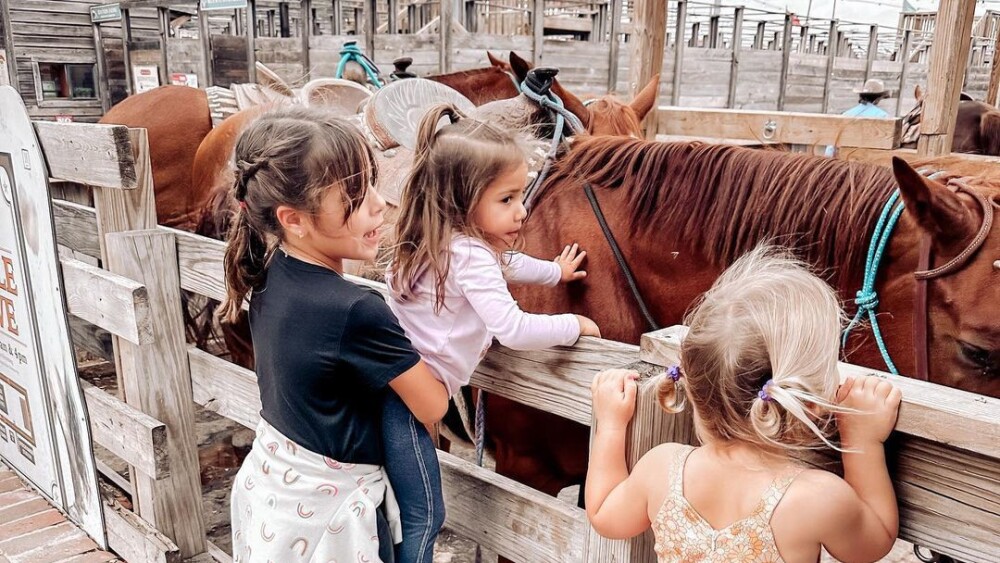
x=289 y=157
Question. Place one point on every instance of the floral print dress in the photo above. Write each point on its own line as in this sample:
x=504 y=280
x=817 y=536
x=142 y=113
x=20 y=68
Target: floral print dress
x=684 y=536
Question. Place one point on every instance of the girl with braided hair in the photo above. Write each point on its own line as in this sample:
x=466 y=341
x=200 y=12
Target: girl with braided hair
x=328 y=352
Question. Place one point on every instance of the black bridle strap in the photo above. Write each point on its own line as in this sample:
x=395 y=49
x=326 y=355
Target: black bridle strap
x=619 y=257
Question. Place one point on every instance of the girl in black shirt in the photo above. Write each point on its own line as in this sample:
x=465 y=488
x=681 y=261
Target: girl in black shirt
x=326 y=349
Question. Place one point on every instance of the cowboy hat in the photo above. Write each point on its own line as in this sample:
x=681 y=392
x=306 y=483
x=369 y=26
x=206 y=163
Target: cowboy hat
x=872 y=86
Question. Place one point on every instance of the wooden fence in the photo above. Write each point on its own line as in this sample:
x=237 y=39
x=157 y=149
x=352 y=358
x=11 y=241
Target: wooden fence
x=945 y=455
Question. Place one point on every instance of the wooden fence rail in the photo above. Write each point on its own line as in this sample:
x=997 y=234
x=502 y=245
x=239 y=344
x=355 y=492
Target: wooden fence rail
x=945 y=455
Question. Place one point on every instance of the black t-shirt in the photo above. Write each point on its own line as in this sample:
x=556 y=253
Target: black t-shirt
x=325 y=351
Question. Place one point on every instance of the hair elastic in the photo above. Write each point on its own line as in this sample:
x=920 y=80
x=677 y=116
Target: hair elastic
x=763 y=395
x=674 y=373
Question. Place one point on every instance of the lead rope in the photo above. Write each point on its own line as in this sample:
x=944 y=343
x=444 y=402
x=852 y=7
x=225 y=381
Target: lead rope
x=563 y=116
x=867 y=297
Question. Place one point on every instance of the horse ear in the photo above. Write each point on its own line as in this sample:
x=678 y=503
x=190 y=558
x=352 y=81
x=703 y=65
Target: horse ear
x=918 y=92
x=645 y=100
x=519 y=66
x=495 y=61
x=937 y=210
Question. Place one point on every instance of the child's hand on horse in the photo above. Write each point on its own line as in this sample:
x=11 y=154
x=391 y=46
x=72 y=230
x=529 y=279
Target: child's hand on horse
x=614 y=392
x=877 y=402
x=569 y=261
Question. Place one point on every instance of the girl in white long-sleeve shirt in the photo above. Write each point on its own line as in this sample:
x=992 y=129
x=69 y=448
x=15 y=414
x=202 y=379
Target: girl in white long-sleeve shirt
x=461 y=215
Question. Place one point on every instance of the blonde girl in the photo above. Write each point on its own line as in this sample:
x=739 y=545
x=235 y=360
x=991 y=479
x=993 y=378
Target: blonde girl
x=759 y=369
x=461 y=214
x=327 y=351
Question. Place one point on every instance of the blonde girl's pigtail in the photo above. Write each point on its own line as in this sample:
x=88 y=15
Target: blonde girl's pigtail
x=670 y=392
x=778 y=408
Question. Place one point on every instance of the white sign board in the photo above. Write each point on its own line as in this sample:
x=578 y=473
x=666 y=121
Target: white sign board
x=145 y=77
x=44 y=432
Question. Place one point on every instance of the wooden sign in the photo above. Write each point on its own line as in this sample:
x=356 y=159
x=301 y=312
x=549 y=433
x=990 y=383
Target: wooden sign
x=207 y=5
x=105 y=13
x=44 y=432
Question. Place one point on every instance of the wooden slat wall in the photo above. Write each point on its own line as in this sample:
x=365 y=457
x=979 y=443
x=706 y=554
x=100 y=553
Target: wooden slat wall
x=59 y=31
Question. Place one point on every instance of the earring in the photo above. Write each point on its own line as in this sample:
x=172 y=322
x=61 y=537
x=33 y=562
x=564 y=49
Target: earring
x=301 y=234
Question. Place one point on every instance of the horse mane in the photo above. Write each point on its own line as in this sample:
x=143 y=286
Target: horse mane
x=726 y=199
x=614 y=113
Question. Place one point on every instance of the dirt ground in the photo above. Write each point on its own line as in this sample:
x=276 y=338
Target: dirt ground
x=223 y=444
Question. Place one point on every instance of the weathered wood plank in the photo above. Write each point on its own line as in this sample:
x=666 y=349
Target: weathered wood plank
x=128 y=433
x=509 y=518
x=76 y=227
x=225 y=388
x=799 y=128
x=556 y=380
x=92 y=154
x=114 y=303
x=135 y=540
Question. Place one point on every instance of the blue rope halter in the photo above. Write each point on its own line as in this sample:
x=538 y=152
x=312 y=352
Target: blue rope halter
x=351 y=52
x=563 y=116
x=867 y=297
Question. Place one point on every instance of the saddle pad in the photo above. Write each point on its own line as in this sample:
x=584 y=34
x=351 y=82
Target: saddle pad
x=394 y=112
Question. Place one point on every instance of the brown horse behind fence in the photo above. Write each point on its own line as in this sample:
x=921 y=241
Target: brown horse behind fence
x=683 y=211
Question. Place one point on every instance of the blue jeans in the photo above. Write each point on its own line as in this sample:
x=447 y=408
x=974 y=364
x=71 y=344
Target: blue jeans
x=412 y=465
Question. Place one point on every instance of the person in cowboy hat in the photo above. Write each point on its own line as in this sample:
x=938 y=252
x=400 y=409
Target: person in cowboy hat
x=868 y=98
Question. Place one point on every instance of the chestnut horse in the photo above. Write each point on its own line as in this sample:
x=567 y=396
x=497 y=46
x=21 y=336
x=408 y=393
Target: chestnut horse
x=682 y=212
x=176 y=120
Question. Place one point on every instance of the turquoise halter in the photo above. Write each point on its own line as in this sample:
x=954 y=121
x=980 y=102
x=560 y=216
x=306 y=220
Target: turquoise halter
x=867 y=297
x=351 y=52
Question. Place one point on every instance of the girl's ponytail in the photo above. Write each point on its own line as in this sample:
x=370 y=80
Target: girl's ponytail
x=429 y=125
x=245 y=258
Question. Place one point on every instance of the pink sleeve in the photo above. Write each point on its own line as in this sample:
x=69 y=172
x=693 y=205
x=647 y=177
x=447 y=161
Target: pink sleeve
x=523 y=269
x=481 y=281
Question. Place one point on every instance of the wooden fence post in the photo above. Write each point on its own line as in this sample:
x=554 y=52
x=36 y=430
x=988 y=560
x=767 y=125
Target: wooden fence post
x=157 y=381
x=126 y=55
x=786 y=54
x=758 y=38
x=615 y=46
x=831 y=55
x=649 y=28
x=251 y=36
x=952 y=36
x=675 y=93
x=371 y=25
x=734 y=68
x=538 y=30
x=872 y=51
x=337 y=19
x=905 y=54
x=444 y=31
x=305 y=20
x=205 y=34
x=163 y=18
x=994 y=87
x=650 y=427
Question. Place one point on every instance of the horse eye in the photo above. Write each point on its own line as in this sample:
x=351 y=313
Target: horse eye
x=975 y=354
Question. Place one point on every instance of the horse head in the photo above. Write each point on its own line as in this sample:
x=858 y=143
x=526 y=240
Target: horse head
x=955 y=216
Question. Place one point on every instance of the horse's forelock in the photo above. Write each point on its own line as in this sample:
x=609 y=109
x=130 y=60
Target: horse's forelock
x=611 y=116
